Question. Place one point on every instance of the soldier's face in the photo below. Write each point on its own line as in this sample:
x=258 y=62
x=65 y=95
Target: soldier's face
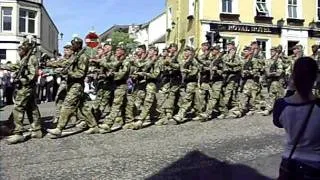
x=76 y=46
x=107 y=48
x=22 y=51
x=230 y=46
x=119 y=52
x=187 y=54
x=68 y=52
x=151 y=52
x=314 y=49
x=140 y=51
x=273 y=53
x=100 y=51
x=296 y=51
x=173 y=49
x=165 y=53
x=214 y=52
x=204 y=48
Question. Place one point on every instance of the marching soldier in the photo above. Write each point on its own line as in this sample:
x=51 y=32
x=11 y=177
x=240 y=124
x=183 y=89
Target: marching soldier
x=316 y=56
x=25 y=97
x=215 y=101
x=203 y=80
x=62 y=90
x=250 y=83
x=120 y=71
x=151 y=71
x=136 y=95
x=74 y=100
x=274 y=73
x=232 y=77
x=190 y=68
x=101 y=105
x=170 y=82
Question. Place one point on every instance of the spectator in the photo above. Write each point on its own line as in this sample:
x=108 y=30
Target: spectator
x=89 y=89
x=299 y=115
x=8 y=87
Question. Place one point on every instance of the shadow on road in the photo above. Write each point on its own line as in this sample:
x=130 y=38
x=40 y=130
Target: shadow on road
x=198 y=166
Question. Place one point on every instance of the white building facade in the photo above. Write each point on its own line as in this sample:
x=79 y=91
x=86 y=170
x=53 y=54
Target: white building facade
x=20 y=18
x=151 y=33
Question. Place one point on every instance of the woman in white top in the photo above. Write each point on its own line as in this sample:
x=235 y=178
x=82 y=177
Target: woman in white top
x=290 y=113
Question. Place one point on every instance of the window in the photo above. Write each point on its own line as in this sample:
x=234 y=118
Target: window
x=191 y=8
x=261 y=8
x=227 y=6
x=6 y=19
x=3 y=54
x=169 y=20
x=27 y=21
x=292 y=9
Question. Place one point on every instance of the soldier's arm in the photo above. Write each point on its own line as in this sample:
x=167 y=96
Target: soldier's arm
x=121 y=73
x=31 y=70
x=82 y=65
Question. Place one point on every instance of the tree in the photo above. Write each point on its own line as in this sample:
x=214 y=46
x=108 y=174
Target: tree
x=118 y=37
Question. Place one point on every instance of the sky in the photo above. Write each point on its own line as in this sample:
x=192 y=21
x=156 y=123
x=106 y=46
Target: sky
x=81 y=16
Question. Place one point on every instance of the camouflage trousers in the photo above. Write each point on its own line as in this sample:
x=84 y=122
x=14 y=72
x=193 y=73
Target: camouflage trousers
x=135 y=102
x=101 y=104
x=247 y=99
x=61 y=95
x=187 y=101
x=75 y=102
x=167 y=97
x=214 y=101
x=230 y=95
x=25 y=101
x=116 y=113
x=150 y=98
x=275 y=91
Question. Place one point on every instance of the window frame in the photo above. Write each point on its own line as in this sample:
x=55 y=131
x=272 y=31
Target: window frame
x=2 y=19
x=318 y=10
x=191 y=9
x=266 y=12
x=291 y=6
x=227 y=6
x=27 y=19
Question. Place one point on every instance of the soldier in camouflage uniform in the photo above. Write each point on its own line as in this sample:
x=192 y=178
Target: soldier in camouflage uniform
x=289 y=62
x=62 y=90
x=215 y=72
x=250 y=83
x=25 y=99
x=204 y=88
x=120 y=71
x=151 y=71
x=274 y=73
x=74 y=100
x=136 y=95
x=189 y=69
x=231 y=72
x=170 y=81
x=101 y=105
x=316 y=56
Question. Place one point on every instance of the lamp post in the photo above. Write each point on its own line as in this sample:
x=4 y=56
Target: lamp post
x=60 y=41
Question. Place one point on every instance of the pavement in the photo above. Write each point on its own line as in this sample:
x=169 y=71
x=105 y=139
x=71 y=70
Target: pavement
x=246 y=148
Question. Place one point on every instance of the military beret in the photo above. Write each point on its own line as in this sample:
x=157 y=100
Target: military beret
x=247 y=48
x=253 y=42
x=188 y=48
x=298 y=46
x=205 y=44
x=173 y=45
x=216 y=47
x=76 y=40
x=67 y=45
x=230 y=42
x=274 y=48
x=142 y=47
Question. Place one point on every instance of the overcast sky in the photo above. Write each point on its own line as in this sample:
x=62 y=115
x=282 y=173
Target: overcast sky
x=80 y=16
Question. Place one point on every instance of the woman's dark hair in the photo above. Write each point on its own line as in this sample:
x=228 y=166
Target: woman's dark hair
x=304 y=75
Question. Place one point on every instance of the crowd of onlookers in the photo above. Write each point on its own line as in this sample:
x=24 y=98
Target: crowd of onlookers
x=47 y=86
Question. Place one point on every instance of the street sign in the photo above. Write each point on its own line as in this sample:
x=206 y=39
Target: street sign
x=92 y=40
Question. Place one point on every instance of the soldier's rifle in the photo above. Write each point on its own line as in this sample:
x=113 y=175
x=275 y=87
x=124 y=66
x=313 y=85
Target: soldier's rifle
x=74 y=61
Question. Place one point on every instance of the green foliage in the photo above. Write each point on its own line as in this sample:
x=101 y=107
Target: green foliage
x=123 y=39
